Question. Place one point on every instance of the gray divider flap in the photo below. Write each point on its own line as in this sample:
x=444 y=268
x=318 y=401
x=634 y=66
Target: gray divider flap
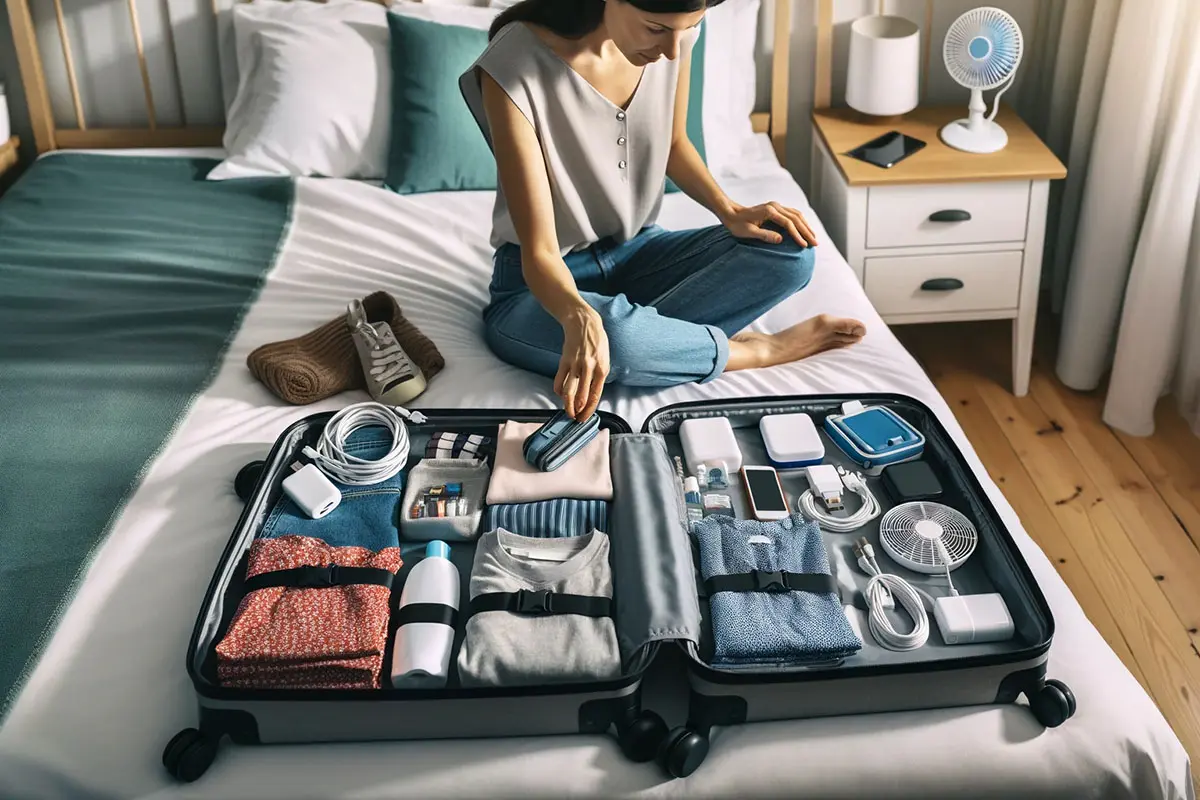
x=653 y=573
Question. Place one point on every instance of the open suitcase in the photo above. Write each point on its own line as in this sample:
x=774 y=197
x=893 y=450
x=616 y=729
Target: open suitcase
x=658 y=600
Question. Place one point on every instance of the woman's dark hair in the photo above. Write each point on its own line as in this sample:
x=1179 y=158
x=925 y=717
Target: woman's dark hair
x=572 y=19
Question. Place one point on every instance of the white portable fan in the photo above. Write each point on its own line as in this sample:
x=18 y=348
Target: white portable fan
x=982 y=51
x=927 y=537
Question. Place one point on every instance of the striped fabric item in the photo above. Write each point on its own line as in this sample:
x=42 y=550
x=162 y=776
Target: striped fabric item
x=550 y=519
x=445 y=444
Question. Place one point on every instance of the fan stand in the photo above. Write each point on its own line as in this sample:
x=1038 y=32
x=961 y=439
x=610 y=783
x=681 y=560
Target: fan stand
x=975 y=134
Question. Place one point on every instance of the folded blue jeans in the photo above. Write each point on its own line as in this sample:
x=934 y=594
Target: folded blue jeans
x=368 y=516
x=669 y=301
x=779 y=629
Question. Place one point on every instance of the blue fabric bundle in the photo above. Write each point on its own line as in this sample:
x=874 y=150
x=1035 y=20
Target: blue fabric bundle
x=368 y=516
x=756 y=629
x=550 y=519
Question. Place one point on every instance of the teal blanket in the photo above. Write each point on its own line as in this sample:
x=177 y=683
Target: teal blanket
x=122 y=281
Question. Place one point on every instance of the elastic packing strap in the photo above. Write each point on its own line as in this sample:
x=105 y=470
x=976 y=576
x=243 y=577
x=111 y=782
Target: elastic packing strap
x=321 y=578
x=773 y=582
x=542 y=603
x=436 y=613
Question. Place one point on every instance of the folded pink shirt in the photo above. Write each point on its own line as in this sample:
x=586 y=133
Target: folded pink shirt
x=585 y=476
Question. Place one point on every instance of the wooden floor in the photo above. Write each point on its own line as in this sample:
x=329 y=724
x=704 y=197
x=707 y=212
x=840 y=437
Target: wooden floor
x=1119 y=516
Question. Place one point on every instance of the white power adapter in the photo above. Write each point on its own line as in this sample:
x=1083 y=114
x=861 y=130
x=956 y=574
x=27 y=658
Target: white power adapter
x=973 y=618
x=312 y=491
x=826 y=484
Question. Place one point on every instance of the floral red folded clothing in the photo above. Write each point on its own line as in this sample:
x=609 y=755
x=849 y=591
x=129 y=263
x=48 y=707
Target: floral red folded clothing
x=332 y=637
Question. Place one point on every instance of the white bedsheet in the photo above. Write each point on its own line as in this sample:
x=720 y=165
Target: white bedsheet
x=112 y=687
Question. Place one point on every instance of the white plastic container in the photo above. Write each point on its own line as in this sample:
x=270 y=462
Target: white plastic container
x=710 y=441
x=884 y=74
x=421 y=656
x=792 y=440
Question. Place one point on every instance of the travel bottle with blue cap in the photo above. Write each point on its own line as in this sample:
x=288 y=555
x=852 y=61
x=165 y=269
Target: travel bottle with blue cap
x=427 y=617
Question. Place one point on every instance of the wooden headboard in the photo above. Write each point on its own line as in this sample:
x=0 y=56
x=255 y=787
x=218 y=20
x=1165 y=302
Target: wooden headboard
x=49 y=135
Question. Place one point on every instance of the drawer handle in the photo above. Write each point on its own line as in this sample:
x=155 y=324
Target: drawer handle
x=941 y=285
x=950 y=215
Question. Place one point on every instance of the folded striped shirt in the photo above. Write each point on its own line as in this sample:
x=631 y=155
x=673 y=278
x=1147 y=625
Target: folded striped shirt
x=446 y=444
x=550 y=519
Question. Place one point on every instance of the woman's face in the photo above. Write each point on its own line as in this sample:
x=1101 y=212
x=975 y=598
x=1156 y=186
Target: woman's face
x=645 y=37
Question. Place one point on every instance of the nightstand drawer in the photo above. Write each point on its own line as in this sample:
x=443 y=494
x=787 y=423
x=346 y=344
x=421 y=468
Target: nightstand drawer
x=950 y=283
x=966 y=213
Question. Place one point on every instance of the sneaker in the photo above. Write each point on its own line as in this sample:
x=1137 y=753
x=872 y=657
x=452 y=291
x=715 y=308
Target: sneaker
x=392 y=377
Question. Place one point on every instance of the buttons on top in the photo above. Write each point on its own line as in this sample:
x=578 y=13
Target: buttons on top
x=621 y=116
x=621 y=165
x=621 y=141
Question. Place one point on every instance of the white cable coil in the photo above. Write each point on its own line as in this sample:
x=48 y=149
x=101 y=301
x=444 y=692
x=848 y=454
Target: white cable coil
x=332 y=458
x=869 y=510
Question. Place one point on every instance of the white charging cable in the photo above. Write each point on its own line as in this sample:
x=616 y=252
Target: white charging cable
x=868 y=511
x=880 y=593
x=333 y=459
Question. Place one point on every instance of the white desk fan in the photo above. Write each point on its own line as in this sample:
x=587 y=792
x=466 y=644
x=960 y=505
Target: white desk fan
x=982 y=51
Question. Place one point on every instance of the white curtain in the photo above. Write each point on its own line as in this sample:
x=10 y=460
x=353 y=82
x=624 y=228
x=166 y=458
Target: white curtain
x=1124 y=245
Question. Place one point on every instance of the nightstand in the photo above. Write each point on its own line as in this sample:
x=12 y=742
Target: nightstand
x=942 y=236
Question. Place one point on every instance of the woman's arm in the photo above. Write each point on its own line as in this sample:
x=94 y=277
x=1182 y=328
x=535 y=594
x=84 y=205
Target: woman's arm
x=687 y=169
x=521 y=169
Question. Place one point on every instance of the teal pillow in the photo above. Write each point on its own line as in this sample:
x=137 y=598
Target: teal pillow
x=434 y=144
x=695 y=117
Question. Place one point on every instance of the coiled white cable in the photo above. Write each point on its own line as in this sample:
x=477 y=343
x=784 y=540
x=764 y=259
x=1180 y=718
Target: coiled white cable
x=330 y=454
x=880 y=593
x=869 y=510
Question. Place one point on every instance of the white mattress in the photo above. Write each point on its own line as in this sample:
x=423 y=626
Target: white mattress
x=112 y=687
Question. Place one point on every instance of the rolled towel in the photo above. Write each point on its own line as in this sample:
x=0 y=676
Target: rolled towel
x=323 y=362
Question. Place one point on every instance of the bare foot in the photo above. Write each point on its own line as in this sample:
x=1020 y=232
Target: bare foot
x=817 y=334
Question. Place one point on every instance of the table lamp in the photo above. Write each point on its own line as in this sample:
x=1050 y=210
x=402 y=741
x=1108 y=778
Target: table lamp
x=884 y=73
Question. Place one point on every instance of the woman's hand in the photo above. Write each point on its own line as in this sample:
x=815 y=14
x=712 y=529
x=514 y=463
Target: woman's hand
x=746 y=222
x=584 y=365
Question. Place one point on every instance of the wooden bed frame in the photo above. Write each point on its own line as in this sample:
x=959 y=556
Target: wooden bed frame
x=48 y=135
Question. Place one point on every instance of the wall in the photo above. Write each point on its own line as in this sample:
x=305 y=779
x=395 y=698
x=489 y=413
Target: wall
x=183 y=31
x=10 y=76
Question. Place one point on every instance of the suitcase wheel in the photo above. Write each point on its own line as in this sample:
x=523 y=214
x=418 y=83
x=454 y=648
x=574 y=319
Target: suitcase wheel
x=189 y=754
x=247 y=479
x=641 y=740
x=682 y=752
x=1053 y=704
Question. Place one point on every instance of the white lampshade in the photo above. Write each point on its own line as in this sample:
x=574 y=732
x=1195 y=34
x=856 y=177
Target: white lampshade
x=885 y=66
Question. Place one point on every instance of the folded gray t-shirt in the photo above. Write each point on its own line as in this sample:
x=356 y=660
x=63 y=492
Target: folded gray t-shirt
x=503 y=648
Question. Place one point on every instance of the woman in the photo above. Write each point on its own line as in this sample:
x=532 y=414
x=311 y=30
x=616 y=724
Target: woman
x=584 y=104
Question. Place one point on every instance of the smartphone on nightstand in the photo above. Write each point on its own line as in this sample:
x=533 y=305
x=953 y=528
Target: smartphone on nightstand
x=888 y=150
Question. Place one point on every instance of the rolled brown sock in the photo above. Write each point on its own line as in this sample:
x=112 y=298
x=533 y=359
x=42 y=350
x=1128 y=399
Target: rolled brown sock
x=323 y=362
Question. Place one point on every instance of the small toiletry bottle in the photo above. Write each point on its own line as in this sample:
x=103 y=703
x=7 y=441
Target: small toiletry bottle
x=691 y=499
x=421 y=656
x=702 y=475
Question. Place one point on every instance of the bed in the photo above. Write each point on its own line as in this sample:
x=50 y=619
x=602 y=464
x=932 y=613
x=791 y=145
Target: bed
x=110 y=688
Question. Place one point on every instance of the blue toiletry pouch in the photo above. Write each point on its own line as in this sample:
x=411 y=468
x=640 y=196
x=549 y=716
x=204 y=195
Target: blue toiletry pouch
x=550 y=446
x=874 y=436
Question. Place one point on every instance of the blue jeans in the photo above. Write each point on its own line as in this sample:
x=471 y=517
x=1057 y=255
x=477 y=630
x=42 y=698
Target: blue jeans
x=669 y=300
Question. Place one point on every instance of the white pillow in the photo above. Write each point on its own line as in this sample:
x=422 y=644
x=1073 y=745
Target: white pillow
x=730 y=83
x=314 y=91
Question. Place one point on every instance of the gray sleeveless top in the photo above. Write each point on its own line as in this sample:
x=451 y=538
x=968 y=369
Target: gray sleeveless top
x=606 y=165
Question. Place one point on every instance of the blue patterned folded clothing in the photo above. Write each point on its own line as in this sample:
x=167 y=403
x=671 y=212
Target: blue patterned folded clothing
x=771 y=628
x=550 y=519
